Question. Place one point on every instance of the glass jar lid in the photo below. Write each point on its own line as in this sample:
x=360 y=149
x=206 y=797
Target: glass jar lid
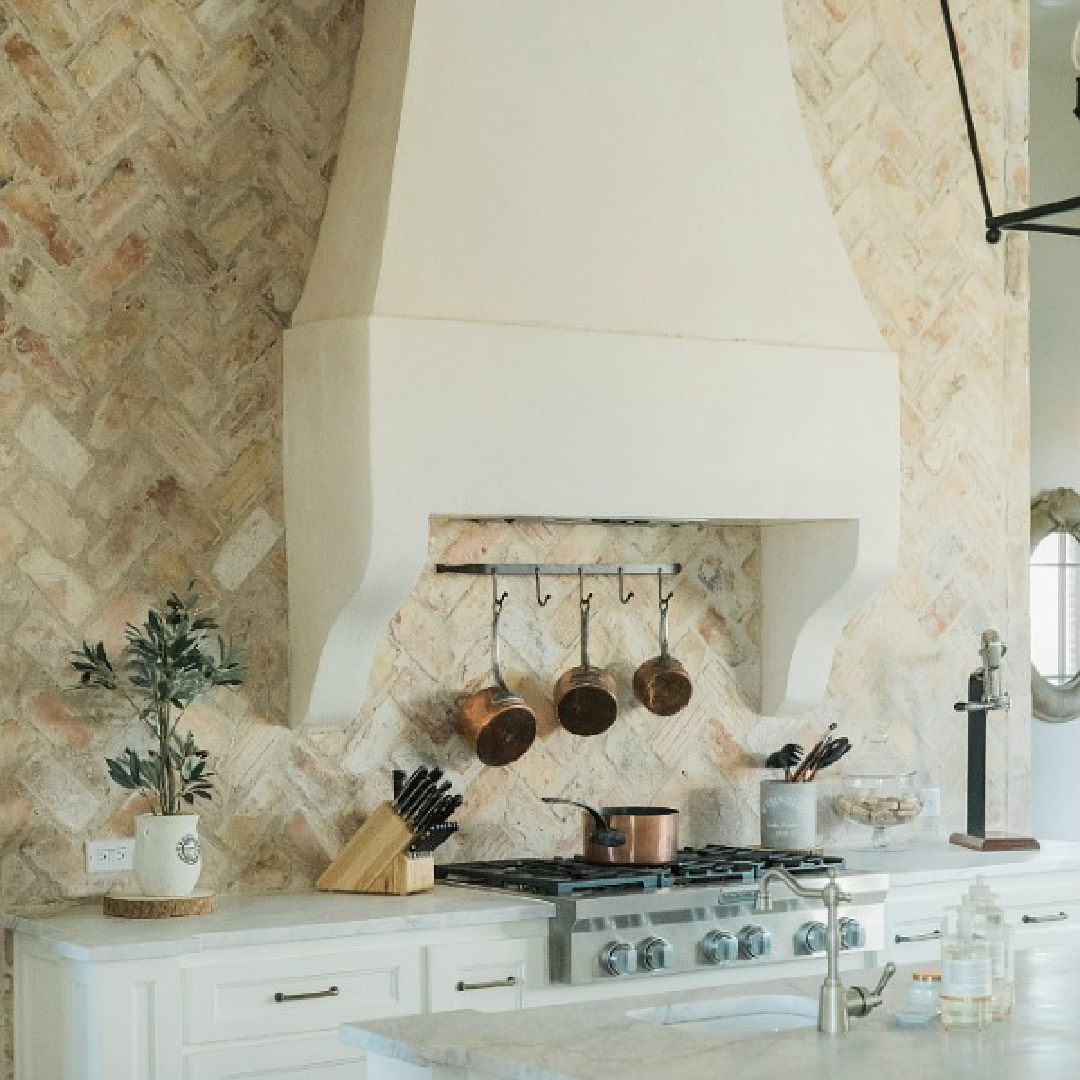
x=876 y=761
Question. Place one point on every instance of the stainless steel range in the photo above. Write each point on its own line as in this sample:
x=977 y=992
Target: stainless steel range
x=692 y=915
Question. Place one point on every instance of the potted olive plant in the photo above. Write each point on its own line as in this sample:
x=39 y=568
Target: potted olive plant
x=170 y=661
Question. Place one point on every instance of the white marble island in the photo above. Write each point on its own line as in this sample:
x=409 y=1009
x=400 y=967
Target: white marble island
x=598 y=1041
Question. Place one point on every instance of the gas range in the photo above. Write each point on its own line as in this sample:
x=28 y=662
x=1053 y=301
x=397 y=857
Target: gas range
x=696 y=914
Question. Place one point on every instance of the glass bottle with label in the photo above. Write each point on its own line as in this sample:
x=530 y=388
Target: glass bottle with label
x=967 y=972
x=990 y=925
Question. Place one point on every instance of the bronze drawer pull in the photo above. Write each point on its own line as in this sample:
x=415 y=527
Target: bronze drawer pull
x=902 y=938
x=510 y=980
x=1061 y=916
x=332 y=991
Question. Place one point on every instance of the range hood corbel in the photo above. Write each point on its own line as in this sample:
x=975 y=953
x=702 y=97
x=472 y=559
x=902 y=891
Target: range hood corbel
x=545 y=203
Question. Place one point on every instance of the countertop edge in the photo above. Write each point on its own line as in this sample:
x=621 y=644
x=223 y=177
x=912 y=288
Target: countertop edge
x=52 y=928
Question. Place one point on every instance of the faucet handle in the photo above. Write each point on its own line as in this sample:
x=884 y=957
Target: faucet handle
x=862 y=1002
x=886 y=975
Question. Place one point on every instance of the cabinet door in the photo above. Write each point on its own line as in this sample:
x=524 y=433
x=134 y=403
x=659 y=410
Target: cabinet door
x=485 y=975
x=319 y=1057
x=299 y=992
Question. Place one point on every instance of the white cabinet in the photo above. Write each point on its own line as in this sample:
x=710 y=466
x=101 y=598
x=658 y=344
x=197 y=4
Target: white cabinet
x=1041 y=904
x=259 y=1011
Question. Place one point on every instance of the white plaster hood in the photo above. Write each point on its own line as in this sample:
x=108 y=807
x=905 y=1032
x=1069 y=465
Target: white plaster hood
x=577 y=263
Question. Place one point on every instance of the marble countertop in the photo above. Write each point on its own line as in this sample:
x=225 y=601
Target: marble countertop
x=921 y=863
x=598 y=1041
x=79 y=930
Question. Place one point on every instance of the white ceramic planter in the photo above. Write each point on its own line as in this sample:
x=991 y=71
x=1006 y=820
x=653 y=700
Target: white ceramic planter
x=168 y=858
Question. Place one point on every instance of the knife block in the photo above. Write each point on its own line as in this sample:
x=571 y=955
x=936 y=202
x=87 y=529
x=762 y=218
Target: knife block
x=406 y=874
x=369 y=855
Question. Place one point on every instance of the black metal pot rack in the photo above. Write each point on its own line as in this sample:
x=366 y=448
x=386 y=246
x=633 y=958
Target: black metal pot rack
x=578 y=570
x=1019 y=220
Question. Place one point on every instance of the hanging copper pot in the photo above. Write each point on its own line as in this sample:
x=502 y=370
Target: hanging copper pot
x=496 y=722
x=585 y=699
x=662 y=684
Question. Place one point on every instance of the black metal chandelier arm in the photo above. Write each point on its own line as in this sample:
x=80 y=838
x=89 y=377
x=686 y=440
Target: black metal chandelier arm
x=1017 y=217
x=965 y=103
x=1017 y=220
x=1057 y=230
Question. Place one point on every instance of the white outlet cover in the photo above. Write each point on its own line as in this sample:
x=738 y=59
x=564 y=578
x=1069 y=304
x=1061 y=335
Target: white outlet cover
x=110 y=856
x=931 y=800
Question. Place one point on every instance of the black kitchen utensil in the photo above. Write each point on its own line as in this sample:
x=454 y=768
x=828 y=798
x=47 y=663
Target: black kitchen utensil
x=831 y=755
x=789 y=754
x=811 y=760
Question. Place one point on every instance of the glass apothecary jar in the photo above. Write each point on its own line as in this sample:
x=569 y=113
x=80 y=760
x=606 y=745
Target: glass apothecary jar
x=878 y=790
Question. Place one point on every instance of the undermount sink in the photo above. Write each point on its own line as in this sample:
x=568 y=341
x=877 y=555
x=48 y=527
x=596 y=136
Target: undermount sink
x=735 y=1017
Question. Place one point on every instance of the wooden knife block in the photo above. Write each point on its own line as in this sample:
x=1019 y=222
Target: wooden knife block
x=365 y=864
x=405 y=875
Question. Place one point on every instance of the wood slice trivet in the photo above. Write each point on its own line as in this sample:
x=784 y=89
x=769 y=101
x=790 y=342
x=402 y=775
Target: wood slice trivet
x=125 y=905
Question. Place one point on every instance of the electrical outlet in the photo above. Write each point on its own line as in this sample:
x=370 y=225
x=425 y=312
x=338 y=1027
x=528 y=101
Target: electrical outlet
x=931 y=801
x=110 y=856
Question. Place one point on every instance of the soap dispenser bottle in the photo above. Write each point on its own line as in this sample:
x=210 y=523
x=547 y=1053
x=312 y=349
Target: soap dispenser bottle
x=990 y=925
x=967 y=972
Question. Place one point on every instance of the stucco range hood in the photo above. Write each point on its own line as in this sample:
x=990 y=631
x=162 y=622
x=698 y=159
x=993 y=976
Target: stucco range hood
x=577 y=263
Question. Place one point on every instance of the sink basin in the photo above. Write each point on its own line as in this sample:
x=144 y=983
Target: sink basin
x=735 y=1017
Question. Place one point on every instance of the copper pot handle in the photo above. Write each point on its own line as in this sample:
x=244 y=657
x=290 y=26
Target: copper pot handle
x=497 y=602
x=603 y=835
x=664 y=602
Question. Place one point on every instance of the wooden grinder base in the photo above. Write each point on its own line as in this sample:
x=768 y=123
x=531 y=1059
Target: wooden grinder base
x=995 y=843
x=136 y=906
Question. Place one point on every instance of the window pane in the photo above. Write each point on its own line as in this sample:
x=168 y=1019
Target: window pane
x=1045 y=622
x=1072 y=548
x=1070 y=649
x=1048 y=551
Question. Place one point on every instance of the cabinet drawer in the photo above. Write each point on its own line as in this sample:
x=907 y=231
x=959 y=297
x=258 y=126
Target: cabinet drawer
x=317 y=1057
x=914 y=940
x=299 y=993
x=1036 y=923
x=485 y=975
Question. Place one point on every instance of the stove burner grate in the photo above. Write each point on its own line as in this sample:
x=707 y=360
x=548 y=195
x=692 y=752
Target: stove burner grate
x=714 y=864
x=554 y=877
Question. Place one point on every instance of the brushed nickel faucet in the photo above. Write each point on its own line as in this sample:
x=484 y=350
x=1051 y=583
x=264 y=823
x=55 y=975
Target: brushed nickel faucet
x=836 y=1003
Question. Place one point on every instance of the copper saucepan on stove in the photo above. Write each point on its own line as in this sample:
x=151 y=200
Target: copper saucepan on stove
x=495 y=721
x=585 y=699
x=662 y=684
x=628 y=835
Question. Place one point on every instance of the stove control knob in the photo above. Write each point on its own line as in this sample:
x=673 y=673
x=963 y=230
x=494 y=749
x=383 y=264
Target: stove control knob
x=656 y=953
x=619 y=958
x=852 y=934
x=810 y=939
x=754 y=941
x=719 y=947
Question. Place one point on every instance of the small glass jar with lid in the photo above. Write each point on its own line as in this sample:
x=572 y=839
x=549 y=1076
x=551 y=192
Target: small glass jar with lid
x=879 y=790
x=924 y=993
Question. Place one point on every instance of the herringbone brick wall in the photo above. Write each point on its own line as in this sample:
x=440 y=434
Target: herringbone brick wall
x=163 y=168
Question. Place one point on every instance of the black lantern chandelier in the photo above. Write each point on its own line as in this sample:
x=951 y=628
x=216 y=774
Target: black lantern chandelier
x=1021 y=220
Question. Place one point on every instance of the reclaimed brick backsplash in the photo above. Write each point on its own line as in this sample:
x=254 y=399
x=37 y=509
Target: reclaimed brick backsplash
x=163 y=169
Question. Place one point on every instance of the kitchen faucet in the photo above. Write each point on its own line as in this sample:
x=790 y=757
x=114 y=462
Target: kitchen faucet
x=836 y=1003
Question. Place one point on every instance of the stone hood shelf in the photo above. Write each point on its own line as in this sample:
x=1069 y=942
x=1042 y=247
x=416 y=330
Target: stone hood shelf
x=586 y=272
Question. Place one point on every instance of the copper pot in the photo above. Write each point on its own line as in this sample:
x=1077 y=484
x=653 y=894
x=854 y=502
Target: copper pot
x=585 y=699
x=496 y=722
x=628 y=835
x=662 y=684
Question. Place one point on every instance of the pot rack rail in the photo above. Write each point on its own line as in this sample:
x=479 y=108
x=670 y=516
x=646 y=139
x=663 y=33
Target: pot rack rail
x=578 y=570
